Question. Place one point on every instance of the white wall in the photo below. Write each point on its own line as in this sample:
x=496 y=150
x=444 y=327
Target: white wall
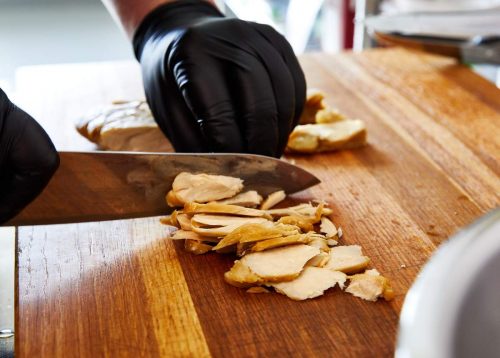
x=57 y=31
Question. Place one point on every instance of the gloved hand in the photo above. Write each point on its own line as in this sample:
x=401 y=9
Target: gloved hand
x=216 y=84
x=27 y=159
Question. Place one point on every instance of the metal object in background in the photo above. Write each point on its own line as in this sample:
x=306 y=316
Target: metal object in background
x=453 y=308
x=364 y=9
x=480 y=49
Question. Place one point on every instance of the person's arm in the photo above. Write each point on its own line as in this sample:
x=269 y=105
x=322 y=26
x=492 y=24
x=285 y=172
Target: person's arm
x=130 y=13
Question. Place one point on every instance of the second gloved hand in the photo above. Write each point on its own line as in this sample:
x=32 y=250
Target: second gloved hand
x=28 y=159
x=216 y=84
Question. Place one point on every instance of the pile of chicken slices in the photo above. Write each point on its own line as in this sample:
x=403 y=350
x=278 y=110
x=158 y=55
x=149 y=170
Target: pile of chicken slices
x=323 y=128
x=293 y=250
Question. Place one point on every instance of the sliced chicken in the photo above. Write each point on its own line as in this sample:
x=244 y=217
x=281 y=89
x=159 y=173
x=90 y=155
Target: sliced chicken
x=252 y=232
x=240 y=275
x=221 y=231
x=249 y=199
x=275 y=231
x=184 y=221
x=133 y=135
x=196 y=247
x=314 y=103
x=319 y=242
x=348 y=259
x=279 y=242
x=327 y=227
x=210 y=220
x=311 y=283
x=305 y=223
x=172 y=200
x=299 y=210
x=331 y=242
x=202 y=188
x=281 y=264
x=171 y=219
x=276 y=265
x=125 y=125
x=190 y=235
x=184 y=235
x=258 y=289
x=370 y=285
x=273 y=199
x=329 y=115
x=319 y=260
x=314 y=138
x=214 y=208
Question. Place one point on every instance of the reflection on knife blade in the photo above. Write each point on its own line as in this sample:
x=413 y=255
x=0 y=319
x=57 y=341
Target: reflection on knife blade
x=95 y=186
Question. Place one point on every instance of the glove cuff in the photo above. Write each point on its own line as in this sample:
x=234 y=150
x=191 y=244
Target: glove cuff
x=169 y=16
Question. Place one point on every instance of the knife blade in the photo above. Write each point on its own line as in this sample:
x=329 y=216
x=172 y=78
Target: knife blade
x=97 y=186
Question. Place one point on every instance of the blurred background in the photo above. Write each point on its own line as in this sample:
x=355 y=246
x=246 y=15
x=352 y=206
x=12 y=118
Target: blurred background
x=66 y=31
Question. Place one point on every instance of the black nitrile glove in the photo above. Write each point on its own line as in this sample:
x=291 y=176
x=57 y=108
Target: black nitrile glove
x=216 y=84
x=27 y=159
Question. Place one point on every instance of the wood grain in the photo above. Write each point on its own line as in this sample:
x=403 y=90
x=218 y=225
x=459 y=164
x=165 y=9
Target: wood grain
x=431 y=167
x=446 y=146
x=103 y=289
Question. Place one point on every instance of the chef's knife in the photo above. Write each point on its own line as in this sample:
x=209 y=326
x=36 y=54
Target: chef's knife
x=95 y=186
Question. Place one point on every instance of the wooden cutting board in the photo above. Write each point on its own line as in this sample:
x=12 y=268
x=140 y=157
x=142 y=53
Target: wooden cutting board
x=121 y=289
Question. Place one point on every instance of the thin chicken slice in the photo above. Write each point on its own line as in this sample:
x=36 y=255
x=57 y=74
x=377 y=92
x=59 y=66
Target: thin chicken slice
x=305 y=223
x=328 y=227
x=184 y=221
x=281 y=264
x=313 y=138
x=370 y=285
x=253 y=232
x=276 y=265
x=196 y=247
x=311 y=283
x=221 y=231
x=209 y=220
x=190 y=235
x=319 y=260
x=307 y=210
x=273 y=199
x=319 y=242
x=314 y=103
x=248 y=199
x=171 y=219
x=240 y=275
x=258 y=289
x=214 y=208
x=329 y=115
x=279 y=242
x=202 y=188
x=348 y=259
